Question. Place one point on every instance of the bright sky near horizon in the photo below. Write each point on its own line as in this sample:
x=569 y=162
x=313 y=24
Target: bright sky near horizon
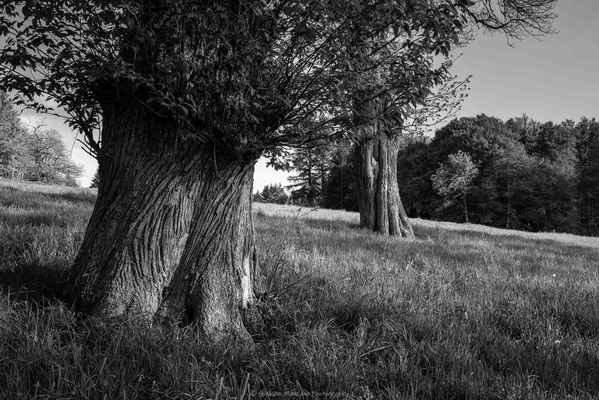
x=553 y=79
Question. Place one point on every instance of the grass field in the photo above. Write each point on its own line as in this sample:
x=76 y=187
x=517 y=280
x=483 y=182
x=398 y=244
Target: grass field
x=461 y=312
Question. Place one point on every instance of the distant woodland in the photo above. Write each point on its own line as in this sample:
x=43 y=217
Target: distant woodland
x=530 y=175
x=33 y=153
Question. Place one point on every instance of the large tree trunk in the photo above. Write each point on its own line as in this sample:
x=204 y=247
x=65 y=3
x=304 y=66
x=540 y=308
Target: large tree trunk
x=171 y=233
x=381 y=209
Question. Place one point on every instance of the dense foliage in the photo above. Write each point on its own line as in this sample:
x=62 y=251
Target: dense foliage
x=532 y=176
x=453 y=180
x=341 y=186
x=312 y=168
x=12 y=140
x=324 y=177
x=36 y=155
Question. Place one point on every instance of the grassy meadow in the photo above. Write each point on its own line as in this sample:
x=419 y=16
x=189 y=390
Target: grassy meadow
x=461 y=312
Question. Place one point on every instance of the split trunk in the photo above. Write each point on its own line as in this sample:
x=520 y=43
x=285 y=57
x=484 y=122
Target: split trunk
x=171 y=234
x=381 y=209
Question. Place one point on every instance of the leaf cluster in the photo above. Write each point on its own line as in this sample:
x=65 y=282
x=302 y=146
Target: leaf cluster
x=455 y=176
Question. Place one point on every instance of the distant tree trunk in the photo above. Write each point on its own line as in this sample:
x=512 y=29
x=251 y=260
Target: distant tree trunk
x=322 y=183
x=465 y=206
x=171 y=233
x=341 y=188
x=509 y=199
x=311 y=194
x=381 y=209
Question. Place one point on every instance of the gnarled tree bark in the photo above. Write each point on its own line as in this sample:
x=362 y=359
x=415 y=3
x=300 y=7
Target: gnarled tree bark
x=171 y=233
x=381 y=209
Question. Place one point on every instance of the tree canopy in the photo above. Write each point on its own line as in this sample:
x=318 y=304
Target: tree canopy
x=216 y=68
x=219 y=68
x=33 y=153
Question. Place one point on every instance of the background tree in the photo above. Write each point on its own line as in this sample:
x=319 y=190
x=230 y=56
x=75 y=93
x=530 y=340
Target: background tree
x=525 y=128
x=312 y=167
x=535 y=194
x=273 y=193
x=453 y=179
x=14 y=159
x=516 y=186
x=588 y=182
x=50 y=160
x=39 y=155
x=415 y=167
x=512 y=176
x=484 y=138
x=379 y=120
x=376 y=152
x=341 y=188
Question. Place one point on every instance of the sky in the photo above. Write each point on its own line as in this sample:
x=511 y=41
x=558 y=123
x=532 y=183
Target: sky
x=552 y=79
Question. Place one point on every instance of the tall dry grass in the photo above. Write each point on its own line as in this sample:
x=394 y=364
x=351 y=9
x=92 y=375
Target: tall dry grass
x=461 y=312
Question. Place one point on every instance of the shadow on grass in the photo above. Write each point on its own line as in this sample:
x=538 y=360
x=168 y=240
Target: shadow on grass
x=36 y=283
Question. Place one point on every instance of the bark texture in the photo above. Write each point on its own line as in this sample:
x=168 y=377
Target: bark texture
x=381 y=209
x=171 y=233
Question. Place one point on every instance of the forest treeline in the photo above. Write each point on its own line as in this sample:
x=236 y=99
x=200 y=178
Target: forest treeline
x=35 y=154
x=530 y=175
